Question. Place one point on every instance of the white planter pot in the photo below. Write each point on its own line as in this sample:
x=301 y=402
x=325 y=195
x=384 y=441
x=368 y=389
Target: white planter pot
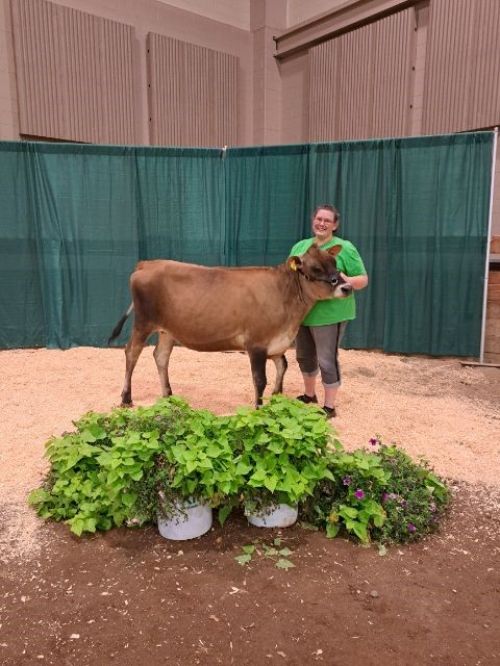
x=283 y=515
x=188 y=522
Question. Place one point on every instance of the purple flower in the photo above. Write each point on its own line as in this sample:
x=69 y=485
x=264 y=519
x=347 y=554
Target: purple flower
x=385 y=497
x=347 y=480
x=411 y=527
x=374 y=441
x=359 y=494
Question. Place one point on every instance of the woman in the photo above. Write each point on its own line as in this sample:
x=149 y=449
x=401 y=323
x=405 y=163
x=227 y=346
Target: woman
x=319 y=336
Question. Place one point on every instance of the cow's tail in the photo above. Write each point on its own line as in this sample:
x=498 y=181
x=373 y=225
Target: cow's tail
x=118 y=328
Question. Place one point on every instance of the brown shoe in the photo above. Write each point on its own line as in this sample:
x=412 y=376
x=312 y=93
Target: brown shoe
x=330 y=412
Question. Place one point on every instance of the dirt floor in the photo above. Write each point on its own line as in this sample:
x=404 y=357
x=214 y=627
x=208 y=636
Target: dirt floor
x=130 y=596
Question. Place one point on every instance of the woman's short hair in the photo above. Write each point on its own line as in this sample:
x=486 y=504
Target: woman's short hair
x=332 y=209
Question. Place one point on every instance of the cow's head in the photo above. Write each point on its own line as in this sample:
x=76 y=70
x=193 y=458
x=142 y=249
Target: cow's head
x=319 y=268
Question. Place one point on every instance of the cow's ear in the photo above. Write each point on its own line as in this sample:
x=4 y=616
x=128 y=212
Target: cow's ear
x=294 y=263
x=334 y=251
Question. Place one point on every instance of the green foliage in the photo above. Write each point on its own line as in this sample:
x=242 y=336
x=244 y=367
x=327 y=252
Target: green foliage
x=128 y=466
x=196 y=463
x=281 y=452
x=381 y=496
x=100 y=473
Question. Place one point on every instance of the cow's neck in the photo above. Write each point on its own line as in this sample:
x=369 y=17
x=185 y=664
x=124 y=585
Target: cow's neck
x=297 y=293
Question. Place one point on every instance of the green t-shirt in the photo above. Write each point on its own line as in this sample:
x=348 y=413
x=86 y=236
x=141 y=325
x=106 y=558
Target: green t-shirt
x=334 y=310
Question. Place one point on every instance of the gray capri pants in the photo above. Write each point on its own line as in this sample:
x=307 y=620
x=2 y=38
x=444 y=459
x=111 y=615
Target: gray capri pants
x=319 y=346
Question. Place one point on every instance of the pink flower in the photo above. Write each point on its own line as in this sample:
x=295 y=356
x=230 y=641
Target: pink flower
x=411 y=527
x=359 y=494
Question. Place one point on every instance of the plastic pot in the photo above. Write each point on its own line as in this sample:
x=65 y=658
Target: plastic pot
x=281 y=515
x=188 y=521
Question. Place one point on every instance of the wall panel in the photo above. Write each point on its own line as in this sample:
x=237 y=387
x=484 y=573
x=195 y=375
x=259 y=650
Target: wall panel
x=74 y=74
x=192 y=94
x=295 y=104
x=462 y=87
x=360 y=81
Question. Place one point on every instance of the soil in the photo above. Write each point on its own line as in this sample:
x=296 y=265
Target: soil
x=129 y=596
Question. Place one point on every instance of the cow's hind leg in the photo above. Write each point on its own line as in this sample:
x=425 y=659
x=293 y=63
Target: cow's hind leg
x=258 y=358
x=132 y=352
x=281 y=365
x=161 y=355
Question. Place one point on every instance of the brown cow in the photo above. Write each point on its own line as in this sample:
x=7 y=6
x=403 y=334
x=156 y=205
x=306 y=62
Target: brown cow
x=257 y=310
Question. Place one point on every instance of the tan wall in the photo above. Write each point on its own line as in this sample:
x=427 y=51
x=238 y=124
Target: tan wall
x=195 y=104
x=144 y=16
x=360 y=81
x=294 y=74
x=74 y=74
x=9 y=115
x=462 y=85
x=267 y=18
x=416 y=108
x=233 y=12
x=303 y=10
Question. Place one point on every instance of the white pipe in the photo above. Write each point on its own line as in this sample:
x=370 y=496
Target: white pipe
x=488 y=244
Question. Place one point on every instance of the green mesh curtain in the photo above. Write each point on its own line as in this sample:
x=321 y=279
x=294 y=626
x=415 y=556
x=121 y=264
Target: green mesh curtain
x=180 y=204
x=267 y=201
x=417 y=209
x=74 y=219
x=21 y=305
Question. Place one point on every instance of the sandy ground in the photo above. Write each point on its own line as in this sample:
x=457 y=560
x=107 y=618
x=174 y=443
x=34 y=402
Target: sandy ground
x=435 y=408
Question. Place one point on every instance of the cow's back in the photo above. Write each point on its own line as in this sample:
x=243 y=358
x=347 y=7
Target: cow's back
x=215 y=308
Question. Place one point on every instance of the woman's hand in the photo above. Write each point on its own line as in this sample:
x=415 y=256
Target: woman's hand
x=356 y=281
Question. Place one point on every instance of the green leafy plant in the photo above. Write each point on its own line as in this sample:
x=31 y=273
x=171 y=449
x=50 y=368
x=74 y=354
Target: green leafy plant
x=95 y=471
x=276 y=552
x=281 y=452
x=381 y=496
x=196 y=464
x=129 y=466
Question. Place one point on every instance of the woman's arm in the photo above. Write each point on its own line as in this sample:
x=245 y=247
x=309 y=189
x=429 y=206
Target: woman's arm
x=356 y=281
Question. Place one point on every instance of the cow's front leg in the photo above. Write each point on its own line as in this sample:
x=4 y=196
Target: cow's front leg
x=258 y=358
x=161 y=355
x=281 y=365
x=132 y=352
